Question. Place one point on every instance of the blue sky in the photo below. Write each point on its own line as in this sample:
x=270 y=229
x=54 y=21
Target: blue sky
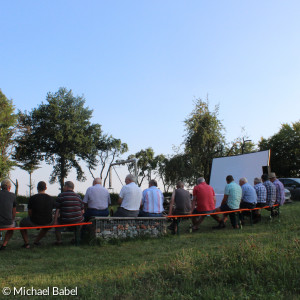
x=141 y=64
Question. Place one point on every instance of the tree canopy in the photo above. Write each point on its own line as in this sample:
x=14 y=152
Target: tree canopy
x=8 y=128
x=285 y=150
x=204 y=139
x=60 y=132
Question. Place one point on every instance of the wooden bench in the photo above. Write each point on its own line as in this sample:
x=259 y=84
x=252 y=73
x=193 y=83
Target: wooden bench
x=76 y=225
x=236 y=213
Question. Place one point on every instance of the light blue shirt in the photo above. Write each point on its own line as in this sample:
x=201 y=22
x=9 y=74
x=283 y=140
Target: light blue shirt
x=248 y=193
x=97 y=197
x=234 y=193
x=153 y=200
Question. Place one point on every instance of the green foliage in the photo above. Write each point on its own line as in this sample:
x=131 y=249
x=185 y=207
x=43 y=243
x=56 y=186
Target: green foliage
x=204 y=140
x=285 y=150
x=61 y=133
x=108 y=150
x=145 y=166
x=8 y=127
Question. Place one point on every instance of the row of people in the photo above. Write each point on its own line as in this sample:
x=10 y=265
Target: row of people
x=70 y=208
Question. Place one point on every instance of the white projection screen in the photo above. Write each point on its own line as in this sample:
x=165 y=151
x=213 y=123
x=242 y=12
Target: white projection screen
x=245 y=165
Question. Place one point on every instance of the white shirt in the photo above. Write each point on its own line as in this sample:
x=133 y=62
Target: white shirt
x=132 y=196
x=97 y=197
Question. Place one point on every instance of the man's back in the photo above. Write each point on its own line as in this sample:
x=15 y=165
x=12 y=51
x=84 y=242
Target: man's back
x=153 y=200
x=97 y=197
x=132 y=196
x=7 y=202
x=234 y=192
x=70 y=206
x=41 y=206
x=182 y=201
x=271 y=192
x=248 y=193
x=205 y=197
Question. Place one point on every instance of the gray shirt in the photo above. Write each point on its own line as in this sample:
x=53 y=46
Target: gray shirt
x=7 y=202
x=97 y=197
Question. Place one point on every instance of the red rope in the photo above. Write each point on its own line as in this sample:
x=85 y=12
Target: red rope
x=219 y=212
x=48 y=226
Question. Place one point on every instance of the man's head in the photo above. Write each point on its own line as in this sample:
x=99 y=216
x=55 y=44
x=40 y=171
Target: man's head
x=257 y=180
x=180 y=185
x=6 y=185
x=272 y=177
x=242 y=181
x=264 y=177
x=129 y=178
x=97 y=181
x=153 y=182
x=41 y=187
x=68 y=186
x=229 y=178
x=200 y=180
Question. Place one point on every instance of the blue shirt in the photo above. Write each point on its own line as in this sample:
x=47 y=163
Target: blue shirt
x=234 y=193
x=280 y=195
x=248 y=193
x=153 y=200
x=97 y=197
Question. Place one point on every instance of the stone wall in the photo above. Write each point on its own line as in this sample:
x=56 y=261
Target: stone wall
x=113 y=227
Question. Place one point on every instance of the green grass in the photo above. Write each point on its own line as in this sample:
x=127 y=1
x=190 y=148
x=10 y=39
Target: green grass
x=257 y=262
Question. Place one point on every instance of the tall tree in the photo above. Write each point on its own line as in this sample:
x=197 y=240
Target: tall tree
x=146 y=164
x=204 y=139
x=285 y=150
x=108 y=150
x=62 y=134
x=8 y=128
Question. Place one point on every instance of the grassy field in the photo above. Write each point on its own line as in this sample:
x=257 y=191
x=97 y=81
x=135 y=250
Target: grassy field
x=257 y=262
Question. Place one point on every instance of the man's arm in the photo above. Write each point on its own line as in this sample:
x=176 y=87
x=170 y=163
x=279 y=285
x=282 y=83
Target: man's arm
x=30 y=212
x=120 y=200
x=215 y=200
x=193 y=203
x=14 y=210
x=56 y=216
x=172 y=203
x=225 y=198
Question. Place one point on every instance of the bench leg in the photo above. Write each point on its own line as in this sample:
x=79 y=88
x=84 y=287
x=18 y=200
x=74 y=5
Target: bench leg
x=77 y=235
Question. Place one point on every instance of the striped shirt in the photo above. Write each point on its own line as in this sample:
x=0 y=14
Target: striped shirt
x=271 y=192
x=153 y=200
x=261 y=193
x=70 y=206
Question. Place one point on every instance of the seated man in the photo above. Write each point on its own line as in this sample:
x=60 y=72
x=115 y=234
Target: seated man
x=280 y=197
x=8 y=206
x=231 y=201
x=249 y=197
x=181 y=198
x=152 y=201
x=204 y=201
x=96 y=200
x=130 y=198
x=261 y=194
x=40 y=208
x=69 y=209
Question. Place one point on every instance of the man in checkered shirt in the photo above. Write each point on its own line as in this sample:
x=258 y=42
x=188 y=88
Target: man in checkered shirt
x=261 y=193
x=271 y=190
